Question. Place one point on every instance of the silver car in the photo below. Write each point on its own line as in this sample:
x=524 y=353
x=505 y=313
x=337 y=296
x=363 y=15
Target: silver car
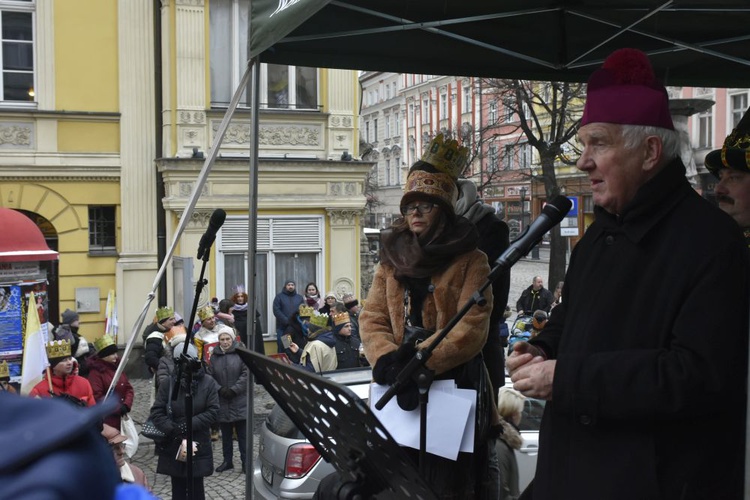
x=288 y=466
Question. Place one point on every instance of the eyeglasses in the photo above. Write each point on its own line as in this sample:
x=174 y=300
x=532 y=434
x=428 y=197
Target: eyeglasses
x=423 y=208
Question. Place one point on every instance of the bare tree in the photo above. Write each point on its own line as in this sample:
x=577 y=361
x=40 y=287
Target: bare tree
x=547 y=115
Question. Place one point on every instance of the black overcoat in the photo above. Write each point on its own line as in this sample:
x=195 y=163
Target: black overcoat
x=651 y=342
x=205 y=413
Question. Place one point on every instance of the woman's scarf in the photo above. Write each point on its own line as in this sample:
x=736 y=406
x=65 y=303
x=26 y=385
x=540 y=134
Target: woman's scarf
x=415 y=256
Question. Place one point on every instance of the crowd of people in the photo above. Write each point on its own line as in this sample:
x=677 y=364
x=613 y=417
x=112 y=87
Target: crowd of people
x=627 y=385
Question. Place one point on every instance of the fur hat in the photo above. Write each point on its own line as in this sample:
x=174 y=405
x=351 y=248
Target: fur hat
x=164 y=313
x=625 y=91
x=69 y=317
x=735 y=153
x=349 y=300
x=105 y=346
x=331 y=294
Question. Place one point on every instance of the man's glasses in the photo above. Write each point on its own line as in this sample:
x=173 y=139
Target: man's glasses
x=423 y=208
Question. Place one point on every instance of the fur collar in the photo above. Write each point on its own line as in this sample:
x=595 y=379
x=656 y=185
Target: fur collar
x=510 y=434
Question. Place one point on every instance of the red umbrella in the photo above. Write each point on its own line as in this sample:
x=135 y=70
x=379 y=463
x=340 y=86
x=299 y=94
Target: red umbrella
x=21 y=240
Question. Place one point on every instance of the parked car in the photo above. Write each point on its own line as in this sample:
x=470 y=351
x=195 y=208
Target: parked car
x=288 y=466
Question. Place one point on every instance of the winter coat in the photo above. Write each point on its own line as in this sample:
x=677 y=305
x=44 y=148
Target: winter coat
x=347 y=351
x=532 y=300
x=637 y=373
x=319 y=354
x=100 y=377
x=154 y=349
x=240 y=324
x=509 y=441
x=166 y=368
x=230 y=372
x=205 y=413
x=284 y=304
x=73 y=385
x=381 y=323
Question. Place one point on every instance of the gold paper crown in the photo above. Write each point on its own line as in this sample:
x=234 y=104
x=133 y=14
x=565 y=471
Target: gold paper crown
x=320 y=320
x=205 y=313
x=105 y=341
x=164 y=313
x=439 y=185
x=341 y=319
x=4 y=370
x=58 y=349
x=306 y=311
x=448 y=157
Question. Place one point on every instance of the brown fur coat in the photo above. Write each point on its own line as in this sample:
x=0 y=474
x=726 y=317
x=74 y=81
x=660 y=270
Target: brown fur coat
x=381 y=323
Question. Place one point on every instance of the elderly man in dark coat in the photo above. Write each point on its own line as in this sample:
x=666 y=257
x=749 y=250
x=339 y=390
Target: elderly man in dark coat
x=230 y=373
x=627 y=361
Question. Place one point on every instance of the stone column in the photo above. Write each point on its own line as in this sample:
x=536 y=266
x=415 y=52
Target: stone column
x=345 y=248
x=342 y=108
x=190 y=85
x=137 y=264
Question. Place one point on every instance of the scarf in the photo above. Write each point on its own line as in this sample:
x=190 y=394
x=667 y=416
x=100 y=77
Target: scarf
x=413 y=256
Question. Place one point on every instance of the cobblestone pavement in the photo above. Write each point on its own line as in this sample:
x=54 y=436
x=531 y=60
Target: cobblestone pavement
x=231 y=484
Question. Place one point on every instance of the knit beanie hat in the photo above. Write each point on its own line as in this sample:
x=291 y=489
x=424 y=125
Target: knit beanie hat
x=69 y=317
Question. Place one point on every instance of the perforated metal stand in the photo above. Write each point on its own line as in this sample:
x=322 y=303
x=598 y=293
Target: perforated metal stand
x=343 y=430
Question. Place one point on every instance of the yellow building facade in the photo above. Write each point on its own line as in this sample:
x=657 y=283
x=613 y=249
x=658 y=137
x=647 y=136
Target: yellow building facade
x=106 y=109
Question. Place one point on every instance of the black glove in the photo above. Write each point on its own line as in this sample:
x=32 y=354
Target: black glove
x=231 y=394
x=388 y=366
x=181 y=428
x=124 y=409
x=408 y=396
x=223 y=392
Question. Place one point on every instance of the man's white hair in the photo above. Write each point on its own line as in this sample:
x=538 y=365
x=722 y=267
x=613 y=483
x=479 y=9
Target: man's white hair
x=633 y=135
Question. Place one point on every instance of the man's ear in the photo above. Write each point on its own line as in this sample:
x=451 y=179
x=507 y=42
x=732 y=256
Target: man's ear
x=653 y=153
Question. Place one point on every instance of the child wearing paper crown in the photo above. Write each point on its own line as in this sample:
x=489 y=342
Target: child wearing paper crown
x=5 y=379
x=102 y=367
x=65 y=383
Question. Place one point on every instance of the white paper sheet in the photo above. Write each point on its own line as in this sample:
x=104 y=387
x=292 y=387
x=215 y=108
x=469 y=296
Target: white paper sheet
x=450 y=419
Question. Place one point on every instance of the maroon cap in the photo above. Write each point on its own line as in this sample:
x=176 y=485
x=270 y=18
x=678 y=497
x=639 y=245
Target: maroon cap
x=625 y=91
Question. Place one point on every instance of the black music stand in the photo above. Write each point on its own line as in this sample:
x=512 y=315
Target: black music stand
x=343 y=430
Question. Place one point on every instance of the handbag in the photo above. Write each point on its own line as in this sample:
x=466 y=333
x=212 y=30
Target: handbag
x=150 y=430
x=127 y=429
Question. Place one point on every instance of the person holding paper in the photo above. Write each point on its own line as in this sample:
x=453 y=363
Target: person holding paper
x=430 y=267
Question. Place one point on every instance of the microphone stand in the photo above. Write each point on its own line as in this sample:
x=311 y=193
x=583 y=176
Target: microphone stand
x=190 y=365
x=416 y=368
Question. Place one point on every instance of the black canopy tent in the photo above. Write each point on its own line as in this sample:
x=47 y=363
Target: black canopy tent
x=689 y=42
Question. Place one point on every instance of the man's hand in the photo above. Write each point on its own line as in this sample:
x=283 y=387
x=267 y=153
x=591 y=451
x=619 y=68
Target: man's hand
x=534 y=380
x=523 y=353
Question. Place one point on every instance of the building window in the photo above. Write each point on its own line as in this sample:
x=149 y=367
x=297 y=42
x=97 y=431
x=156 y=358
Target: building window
x=508 y=159
x=387 y=172
x=467 y=99
x=705 y=129
x=412 y=120
x=426 y=111
x=375 y=129
x=17 y=21
x=492 y=153
x=509 y=112
x=387 y=126
x=525 y=156
x=396 y=126
x=397 y=174
x=367 y=131
x=102 y=230
x=283 y=87
x=492 y=113
x=443 y=106
x=739 y=106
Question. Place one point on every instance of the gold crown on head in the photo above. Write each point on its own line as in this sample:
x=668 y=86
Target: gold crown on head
x=4 y=370
x=101 y=343
x=306 y=311
x=58 y=349
x=164 y=313
x=320 y=320
x=341 y=318
x=205 y=312
x=448 y=157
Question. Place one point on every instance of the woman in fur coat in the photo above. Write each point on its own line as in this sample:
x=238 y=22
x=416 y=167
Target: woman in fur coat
x=429 y=268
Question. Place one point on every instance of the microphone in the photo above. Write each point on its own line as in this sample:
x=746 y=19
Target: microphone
x=552 y=214
x=214 y=224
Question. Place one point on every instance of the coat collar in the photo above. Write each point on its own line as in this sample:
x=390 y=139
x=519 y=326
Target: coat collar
x=653 y=201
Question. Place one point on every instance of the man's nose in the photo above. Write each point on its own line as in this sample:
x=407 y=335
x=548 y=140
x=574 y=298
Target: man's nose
x=584 y=162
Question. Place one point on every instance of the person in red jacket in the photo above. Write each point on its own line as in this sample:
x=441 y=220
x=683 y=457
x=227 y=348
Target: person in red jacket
x=65 y=383
x=102 y=369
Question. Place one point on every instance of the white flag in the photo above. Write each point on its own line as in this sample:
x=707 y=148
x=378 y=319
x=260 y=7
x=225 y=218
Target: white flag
x=34 y=352
x=111 y=326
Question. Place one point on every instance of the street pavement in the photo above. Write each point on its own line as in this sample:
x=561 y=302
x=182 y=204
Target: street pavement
x=231 y=484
